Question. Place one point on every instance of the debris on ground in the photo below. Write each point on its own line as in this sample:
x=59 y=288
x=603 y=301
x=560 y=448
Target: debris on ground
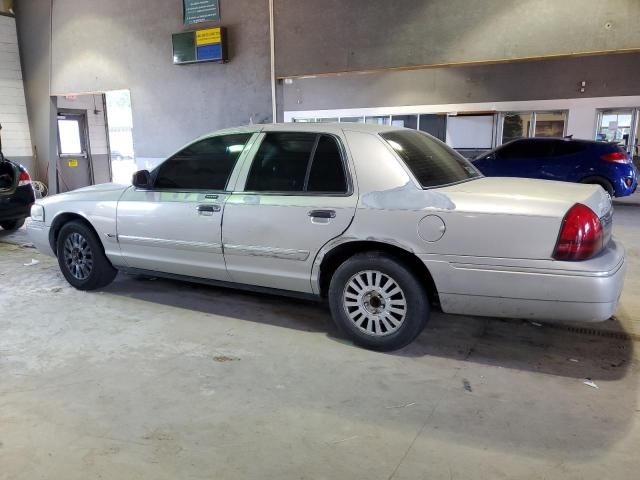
x=402 y=406
x=591 y=383
x=224 y=358
x=346 y=439
x=573 y=360
x=535 y=324
x=28 y=245
x=32 y=262
x=467 y=385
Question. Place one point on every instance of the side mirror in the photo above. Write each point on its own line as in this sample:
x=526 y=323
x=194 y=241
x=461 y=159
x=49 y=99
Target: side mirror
x=142 y=179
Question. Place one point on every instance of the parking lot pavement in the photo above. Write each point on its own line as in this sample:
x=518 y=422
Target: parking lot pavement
x=158 y=379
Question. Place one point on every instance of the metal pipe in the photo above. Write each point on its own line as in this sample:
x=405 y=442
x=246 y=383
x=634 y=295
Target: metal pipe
x=272 y=45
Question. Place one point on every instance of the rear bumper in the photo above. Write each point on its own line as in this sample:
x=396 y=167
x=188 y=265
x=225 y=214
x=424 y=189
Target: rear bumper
x=578 y=291
x=18 y=204
x=39 y=235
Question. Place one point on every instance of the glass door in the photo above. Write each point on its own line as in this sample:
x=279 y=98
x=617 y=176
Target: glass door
x=617 y=126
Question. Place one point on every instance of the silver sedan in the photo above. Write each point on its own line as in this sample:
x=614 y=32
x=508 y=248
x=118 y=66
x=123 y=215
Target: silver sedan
x=385 y=223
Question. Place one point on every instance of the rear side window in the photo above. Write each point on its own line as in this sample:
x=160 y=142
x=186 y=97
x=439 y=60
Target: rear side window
x=204 y=165
x=432 y=162
x=568 y=148
x=297 y=163
x=327 y=170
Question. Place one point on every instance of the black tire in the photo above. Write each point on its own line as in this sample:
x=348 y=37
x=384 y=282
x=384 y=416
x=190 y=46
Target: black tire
x=11 y=225
x=96 y=271
x=372 y=332
x=603 y=182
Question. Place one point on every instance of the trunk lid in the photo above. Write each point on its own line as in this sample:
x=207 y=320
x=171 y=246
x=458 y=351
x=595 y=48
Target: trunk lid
x=9 y=175
x=527 y=196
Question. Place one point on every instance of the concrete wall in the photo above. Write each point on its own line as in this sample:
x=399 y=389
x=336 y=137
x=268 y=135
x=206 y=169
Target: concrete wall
x=118 y=44
x=32 y=17
x=16 y=139
x=606 y=75
x=335 y=35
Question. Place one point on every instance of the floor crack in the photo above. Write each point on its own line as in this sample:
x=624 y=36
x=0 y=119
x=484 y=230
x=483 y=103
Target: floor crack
x=406 y=453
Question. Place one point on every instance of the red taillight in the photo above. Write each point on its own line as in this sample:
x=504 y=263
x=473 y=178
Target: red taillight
x=616 y=157
x=24 y=179
x=580 y=234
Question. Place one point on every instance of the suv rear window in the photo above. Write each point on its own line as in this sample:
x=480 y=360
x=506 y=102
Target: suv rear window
x=433 y=163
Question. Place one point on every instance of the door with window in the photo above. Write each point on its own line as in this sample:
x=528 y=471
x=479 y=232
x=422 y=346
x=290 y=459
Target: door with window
x=297 y=196
x=523 y=158
x=74 y=159
x=175 y=226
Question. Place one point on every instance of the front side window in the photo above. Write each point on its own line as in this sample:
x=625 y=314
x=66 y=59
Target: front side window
x=297 y=163
x=204 y=165
x=524 y=149
x=431 y=161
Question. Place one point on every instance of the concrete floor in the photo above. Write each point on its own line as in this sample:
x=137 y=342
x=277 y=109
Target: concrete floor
x=162 y=380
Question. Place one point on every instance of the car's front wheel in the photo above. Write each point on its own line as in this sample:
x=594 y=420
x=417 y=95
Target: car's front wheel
x=378 y=302
x=82 y=259
x=12 y=225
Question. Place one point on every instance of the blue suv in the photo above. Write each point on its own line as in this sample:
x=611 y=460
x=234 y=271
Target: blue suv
x=564 y=159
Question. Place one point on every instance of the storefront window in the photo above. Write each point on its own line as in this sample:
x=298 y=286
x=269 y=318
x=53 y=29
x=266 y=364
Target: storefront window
x=380 y=120
x=549 y=124
x=516 y=125
x=407 y=121
x=352 y=119
x=615 y=126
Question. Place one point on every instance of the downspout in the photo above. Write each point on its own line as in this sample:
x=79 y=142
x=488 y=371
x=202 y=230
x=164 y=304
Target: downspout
x=272 y=46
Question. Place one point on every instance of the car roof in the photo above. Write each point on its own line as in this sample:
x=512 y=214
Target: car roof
x=548 y=139
x=306 y=127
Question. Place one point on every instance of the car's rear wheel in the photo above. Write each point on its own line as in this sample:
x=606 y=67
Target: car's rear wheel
x=378 y=302
x=82 y=259
x=603 y=182
x=12 y=225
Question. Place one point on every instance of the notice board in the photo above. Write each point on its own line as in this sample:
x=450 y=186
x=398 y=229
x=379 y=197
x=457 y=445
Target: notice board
x=196 y=11
x=207 y=45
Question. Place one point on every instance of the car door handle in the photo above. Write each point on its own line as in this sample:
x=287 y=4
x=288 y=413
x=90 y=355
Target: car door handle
x=208 y=210
x=322 y=213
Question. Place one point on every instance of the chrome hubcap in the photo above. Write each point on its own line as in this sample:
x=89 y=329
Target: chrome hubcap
x=375 y=303
x=78 y=256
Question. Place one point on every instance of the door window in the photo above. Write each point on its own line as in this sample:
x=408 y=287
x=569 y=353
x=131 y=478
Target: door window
x=297 y=162
x=69 y=134
x=526 y=149
x=204 y=165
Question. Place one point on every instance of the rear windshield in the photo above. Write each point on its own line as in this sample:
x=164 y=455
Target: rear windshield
x=432 y=162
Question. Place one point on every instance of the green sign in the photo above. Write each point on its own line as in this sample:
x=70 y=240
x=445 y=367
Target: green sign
x=196 y=11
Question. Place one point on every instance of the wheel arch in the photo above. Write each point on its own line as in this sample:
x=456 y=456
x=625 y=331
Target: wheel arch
x=601 y=180
x=61 y=220
x=329 y=262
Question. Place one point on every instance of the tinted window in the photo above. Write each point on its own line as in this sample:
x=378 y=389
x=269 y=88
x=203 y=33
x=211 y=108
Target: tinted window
x=281 y=163
x=327 y=171
x=204 y=165
x=297 y=162
x=526 y=149
x=432 y=162
x=565 y=147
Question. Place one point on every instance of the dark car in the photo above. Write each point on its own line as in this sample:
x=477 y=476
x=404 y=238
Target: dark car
x=16 y=194
x=568 y=160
